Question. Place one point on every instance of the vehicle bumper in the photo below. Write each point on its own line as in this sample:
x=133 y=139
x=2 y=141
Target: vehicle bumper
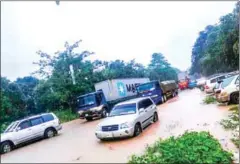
x=208 y=90
x=222 y=99
x=59 y=127
x=90 y=113
x=128 y=132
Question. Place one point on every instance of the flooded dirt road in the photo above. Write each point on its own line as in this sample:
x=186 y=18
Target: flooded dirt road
x=77 y=142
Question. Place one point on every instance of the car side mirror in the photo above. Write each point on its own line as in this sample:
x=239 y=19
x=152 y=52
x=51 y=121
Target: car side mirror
x=141 y=110
x=219 y=81
x=17 y=129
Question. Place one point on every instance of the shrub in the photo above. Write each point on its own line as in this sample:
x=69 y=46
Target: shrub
x=65 y=115
x=191 y=147
x=209 y=100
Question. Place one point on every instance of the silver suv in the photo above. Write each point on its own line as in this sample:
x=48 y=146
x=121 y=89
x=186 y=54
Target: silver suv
x=44 y=125
x=128 y=119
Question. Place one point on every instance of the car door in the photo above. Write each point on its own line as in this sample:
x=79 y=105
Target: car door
x=142 y=114
x=38 y=127
x=24 y=132
x=149 y=109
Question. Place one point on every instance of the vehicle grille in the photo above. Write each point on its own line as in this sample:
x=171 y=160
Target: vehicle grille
x=109 y=128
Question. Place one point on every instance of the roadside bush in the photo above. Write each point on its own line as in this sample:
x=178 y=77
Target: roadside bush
x=209 y=100
x=232 y=123
x=191 y=147
x=65 y=115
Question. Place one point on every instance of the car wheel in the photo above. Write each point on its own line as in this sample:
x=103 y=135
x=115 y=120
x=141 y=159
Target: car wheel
x=89 y=118
x=6 y=147
x=137 y=130
x=49 y=133
x=235 y=98
x=155 y=117
x=104 y=113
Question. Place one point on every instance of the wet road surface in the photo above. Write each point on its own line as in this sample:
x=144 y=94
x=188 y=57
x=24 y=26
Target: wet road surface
x=77 y=142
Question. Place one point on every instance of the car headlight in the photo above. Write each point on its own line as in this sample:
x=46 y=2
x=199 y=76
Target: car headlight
x=80 y=112
x=99 y=128
x=124 y=125
x=154 y=96
x=224 y=94
x=96 y=108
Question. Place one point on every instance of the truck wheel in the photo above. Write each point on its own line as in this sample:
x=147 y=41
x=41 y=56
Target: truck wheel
x=165 y=98
x=234 y=98
x=89 y=118
x=104 y=113
x=6 y=147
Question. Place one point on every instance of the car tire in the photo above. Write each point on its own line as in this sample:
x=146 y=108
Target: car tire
x=49 y=133
x=137 y=130
x=89 y=118
x=234 y=98
x=155 y=117
x=6 y=147
x=104 y=113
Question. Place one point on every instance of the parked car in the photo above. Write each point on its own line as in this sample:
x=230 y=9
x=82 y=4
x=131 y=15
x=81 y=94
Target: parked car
x=211 y=83
x=192 y=84
x=44 y=125
x=201 y=83
x=183 y=84
x=228 y=90
x=128 y=119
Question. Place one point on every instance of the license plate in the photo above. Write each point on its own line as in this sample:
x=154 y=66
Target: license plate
x=109 y=135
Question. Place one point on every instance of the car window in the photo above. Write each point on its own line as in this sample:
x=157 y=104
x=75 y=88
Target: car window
x=47 y=117
x=237 y=80
x=221 y=77
x=213 y=81
x=146 y=103
x=227 y=81
x=140 y=105
x=24 y=125
x=36 y=121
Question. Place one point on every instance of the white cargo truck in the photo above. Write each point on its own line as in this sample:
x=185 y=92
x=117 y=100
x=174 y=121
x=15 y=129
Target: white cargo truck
x=119 y=88
x=96 y=104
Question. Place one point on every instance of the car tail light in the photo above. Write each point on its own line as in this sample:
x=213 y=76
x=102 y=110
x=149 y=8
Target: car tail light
x=206 y=87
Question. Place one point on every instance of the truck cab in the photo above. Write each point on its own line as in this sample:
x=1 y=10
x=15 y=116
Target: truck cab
x=92 y=105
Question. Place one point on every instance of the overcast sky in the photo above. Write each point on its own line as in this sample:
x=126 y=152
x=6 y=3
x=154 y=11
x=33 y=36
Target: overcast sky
x=113 y=30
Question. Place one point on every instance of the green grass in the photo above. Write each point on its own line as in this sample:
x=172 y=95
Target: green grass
x=66 y=115
x=191 y=147
x=209 y=100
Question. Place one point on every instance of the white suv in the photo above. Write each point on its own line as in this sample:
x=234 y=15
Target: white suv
x=229 y=90
x=127 y=119
x=43 y=125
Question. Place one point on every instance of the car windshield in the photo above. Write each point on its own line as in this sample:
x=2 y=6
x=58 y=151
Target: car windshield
x=227 y=81
x=86 y=100
x=123 y=110
x=146 y=87
x=11 y=127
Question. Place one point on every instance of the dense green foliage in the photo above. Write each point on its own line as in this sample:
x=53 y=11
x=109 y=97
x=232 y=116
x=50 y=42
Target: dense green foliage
x=232 y=123
x=58 y=88
x=216 y=49
x=191 y=147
